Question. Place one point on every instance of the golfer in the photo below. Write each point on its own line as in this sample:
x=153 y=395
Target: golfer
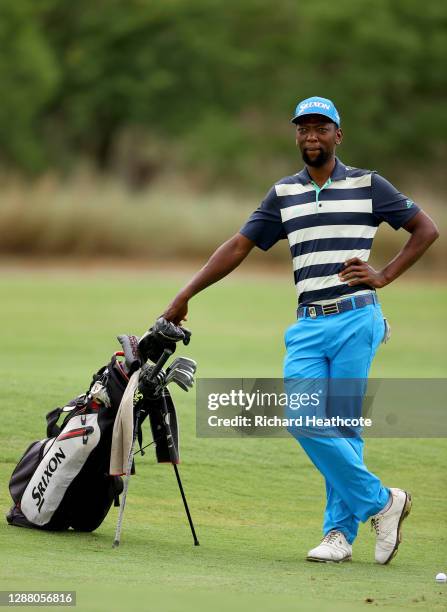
x=329 y=213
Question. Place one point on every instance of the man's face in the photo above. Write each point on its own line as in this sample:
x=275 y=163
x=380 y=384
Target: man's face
x=317 y=137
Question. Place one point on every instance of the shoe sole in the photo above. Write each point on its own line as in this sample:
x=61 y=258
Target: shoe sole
x=317 y=560
x=405 y=512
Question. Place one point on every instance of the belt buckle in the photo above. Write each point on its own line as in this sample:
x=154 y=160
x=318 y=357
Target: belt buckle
x=329 y=309
x=312 y=312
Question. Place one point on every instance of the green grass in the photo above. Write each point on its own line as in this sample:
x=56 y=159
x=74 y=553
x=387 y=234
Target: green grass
x=257 y=503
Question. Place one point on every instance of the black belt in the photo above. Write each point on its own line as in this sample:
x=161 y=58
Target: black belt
x=351 y=303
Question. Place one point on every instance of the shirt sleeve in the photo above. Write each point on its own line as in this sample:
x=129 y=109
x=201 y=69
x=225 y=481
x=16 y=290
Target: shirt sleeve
x=389 y=204
x=264 y=226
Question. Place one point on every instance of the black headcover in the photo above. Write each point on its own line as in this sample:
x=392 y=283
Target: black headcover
x=163 y=335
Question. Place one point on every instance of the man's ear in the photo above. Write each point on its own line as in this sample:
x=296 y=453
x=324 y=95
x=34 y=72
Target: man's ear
x=338 y=136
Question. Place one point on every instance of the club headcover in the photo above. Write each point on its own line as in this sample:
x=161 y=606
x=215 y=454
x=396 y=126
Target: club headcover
x=131 y=352
x=163 y=335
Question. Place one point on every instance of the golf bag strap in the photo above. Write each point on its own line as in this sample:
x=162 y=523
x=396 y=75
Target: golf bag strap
x=52 y=417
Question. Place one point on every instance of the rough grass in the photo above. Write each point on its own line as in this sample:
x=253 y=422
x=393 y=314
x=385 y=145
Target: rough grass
x=257 y=503
x=86 y=216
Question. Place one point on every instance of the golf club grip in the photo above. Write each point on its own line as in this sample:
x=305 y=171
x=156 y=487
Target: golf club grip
x=160 y=363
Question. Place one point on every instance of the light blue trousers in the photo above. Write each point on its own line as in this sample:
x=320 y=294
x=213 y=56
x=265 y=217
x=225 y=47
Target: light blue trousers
x=340 y=346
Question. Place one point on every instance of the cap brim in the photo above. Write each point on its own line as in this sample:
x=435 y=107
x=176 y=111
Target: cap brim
x=296 y=119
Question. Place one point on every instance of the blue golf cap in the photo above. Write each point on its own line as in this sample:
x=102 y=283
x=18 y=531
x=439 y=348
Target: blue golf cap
x=317 y=106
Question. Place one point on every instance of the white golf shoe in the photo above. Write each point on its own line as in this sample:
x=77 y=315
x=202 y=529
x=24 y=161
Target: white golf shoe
x=334 y=547
x=387 y=525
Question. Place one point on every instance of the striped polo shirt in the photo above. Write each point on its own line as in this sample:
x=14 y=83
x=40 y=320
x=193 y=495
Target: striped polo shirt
x=328 y=225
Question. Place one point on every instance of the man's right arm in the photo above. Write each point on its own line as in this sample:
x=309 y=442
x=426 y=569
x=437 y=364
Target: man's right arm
x=223 y=261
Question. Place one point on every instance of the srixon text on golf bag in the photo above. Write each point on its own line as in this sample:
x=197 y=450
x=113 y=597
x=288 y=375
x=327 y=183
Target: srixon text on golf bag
x=71 y=478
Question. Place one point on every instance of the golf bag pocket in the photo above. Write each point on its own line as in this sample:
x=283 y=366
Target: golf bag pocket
x=26 y=468
x=62 y=460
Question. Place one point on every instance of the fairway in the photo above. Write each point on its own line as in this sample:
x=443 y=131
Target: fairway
x=257 y=503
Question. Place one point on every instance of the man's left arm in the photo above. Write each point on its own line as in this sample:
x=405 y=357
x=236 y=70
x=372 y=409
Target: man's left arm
x=423 y=233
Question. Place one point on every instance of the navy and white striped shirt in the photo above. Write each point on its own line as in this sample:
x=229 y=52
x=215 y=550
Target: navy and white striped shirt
x=327 y=226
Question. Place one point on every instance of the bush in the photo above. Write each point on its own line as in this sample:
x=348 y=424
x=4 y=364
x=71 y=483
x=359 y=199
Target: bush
x=218 y=80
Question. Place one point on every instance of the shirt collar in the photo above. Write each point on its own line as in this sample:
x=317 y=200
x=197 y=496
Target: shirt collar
x=338 y=173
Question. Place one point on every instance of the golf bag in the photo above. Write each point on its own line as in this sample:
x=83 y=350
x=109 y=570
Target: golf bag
x=63 y=481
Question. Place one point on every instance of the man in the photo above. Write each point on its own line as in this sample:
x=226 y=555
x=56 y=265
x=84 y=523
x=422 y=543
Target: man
x=329 y=213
